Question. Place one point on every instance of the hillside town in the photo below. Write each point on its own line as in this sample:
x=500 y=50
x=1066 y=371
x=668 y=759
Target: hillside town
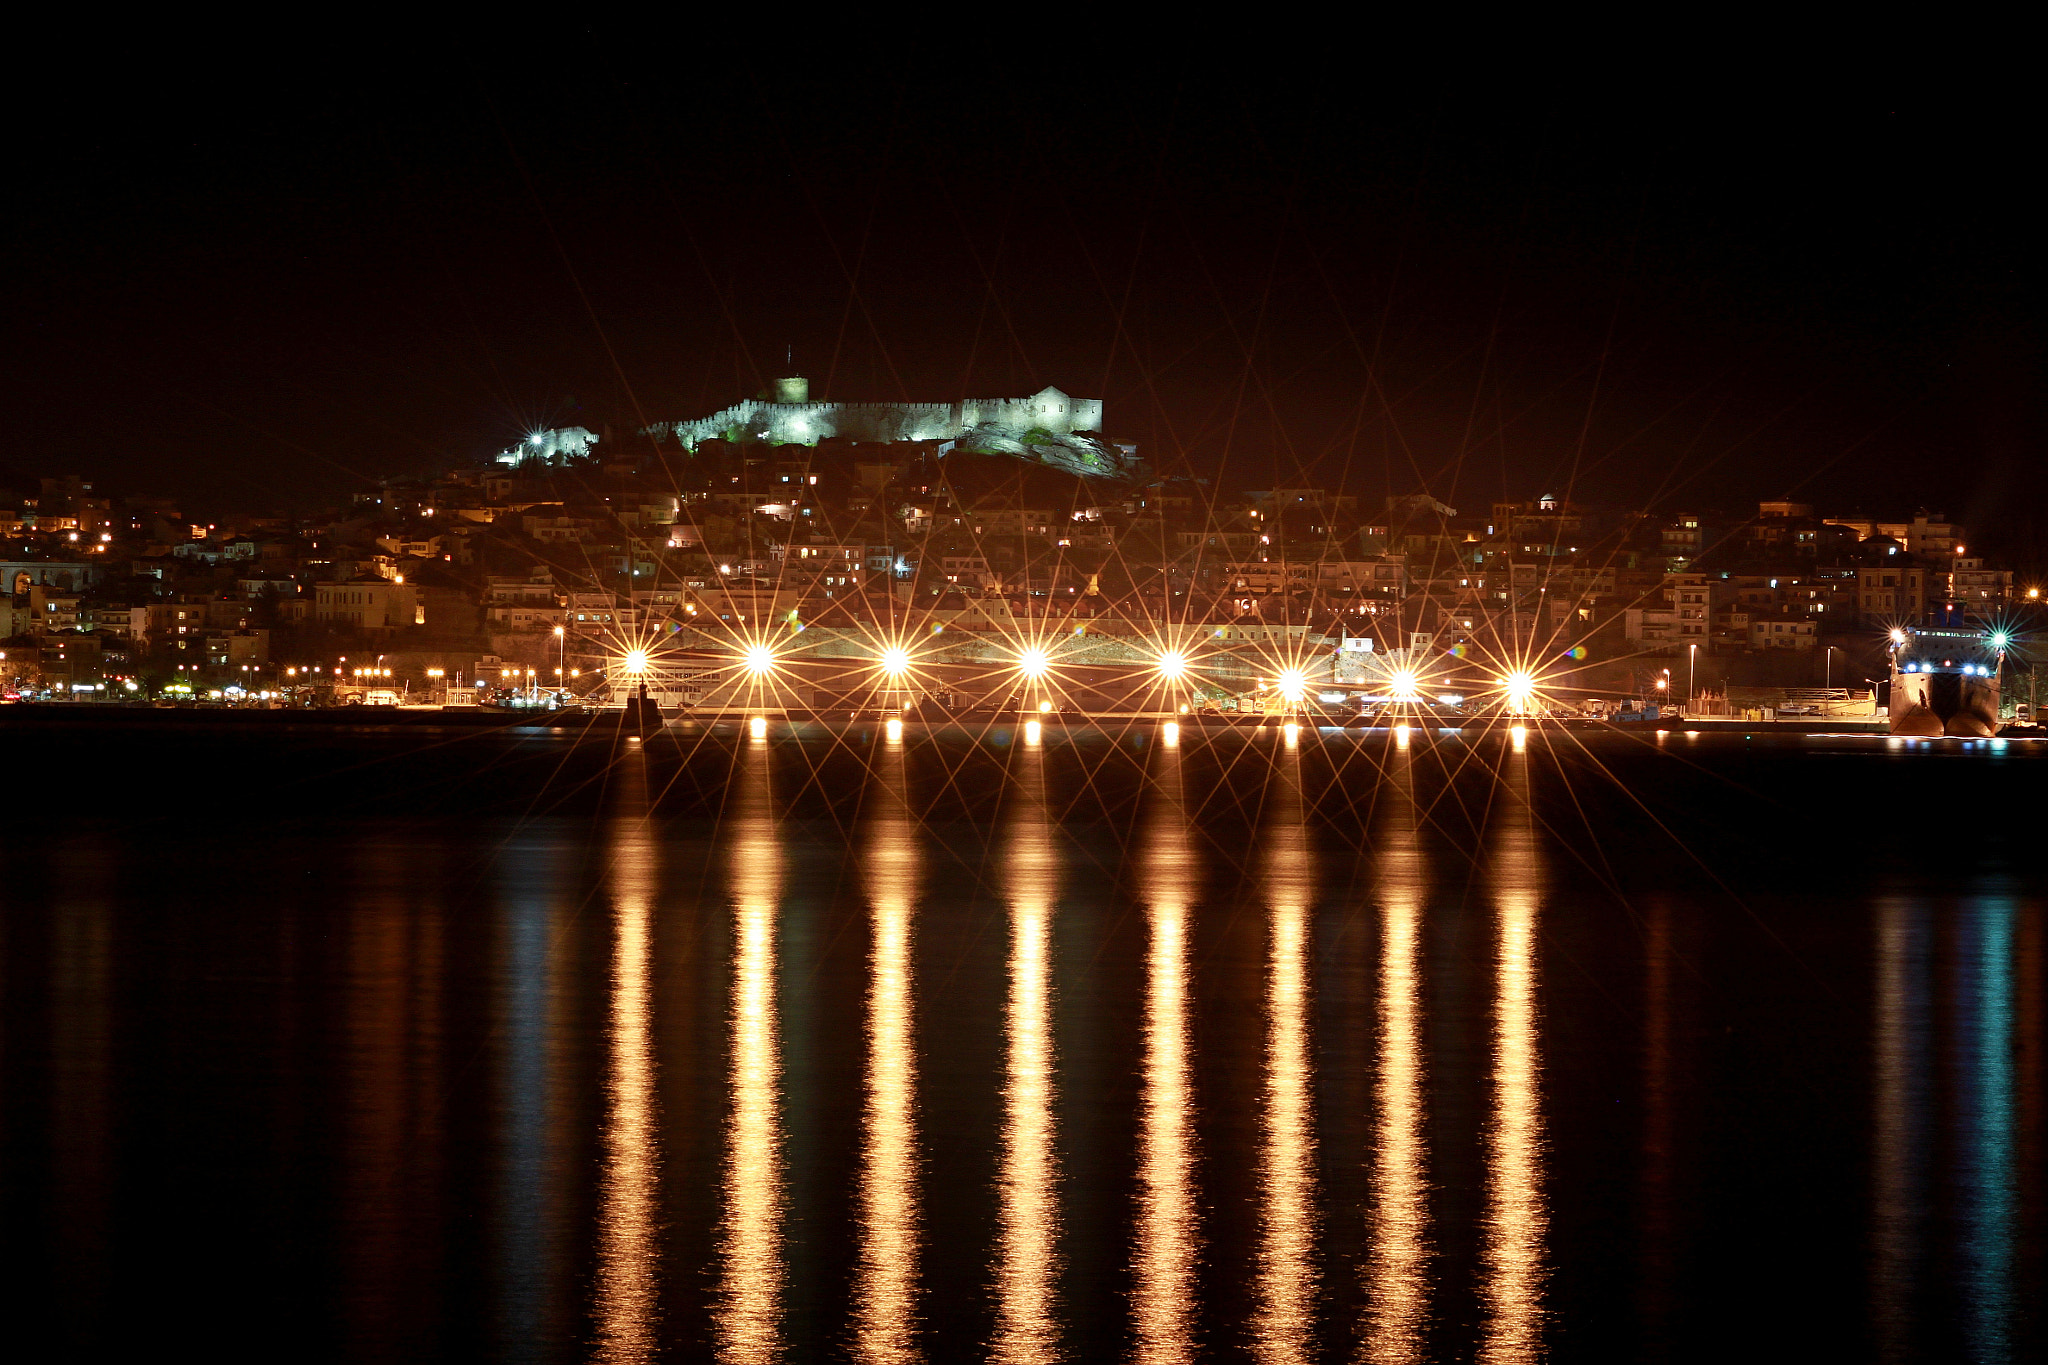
x=535 y=568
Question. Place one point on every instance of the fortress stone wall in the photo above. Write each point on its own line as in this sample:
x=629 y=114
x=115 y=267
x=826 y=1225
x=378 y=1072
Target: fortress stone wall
x=754 y=421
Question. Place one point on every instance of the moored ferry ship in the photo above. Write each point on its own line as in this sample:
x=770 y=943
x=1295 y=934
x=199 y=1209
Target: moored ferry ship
x=1945 y=678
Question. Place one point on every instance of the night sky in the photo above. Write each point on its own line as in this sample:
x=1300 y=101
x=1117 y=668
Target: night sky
x=260 y=283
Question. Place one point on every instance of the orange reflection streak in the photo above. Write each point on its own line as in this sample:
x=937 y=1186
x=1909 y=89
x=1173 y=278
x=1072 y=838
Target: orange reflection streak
x=1167 y=1236
x=1028 y=1185
x=1397 y=1284
x=1516 y=1217
x=628 y=1254
x=748 y=1319
x=885 y=1284
x=1283 y=1321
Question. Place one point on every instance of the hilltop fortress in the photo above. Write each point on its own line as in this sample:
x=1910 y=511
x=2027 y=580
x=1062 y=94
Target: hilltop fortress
x=1048 y=428
x=793 y=419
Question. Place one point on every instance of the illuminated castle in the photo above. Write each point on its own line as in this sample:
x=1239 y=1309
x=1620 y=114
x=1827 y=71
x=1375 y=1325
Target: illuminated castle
x=793 y=419
x=1049 y=428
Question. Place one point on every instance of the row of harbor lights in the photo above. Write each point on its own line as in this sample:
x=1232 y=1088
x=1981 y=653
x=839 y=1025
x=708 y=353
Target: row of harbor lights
x=1518 y=687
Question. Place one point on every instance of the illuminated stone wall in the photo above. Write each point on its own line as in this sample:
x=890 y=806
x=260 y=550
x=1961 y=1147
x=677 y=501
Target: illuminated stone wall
x=757 y=422
x=551 y=447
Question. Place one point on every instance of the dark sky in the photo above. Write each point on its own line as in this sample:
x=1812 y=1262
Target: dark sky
x=253 y=283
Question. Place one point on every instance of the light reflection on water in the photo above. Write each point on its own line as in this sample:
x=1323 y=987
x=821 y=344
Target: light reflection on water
x=82 y=961
x=628 y=1253
x=1981 y=1031
x=1028 y=1212
x=1898 y=1119
x=1512 y=1254
x=1283 y=1322
x=1163 y=1302
x=1397 y=1269
x=885 y=1290
x=748 y=1318
x=1655 y=1250
x=1985 y=1075
x=395 y=990
x=531 y=888
x=520 y=1088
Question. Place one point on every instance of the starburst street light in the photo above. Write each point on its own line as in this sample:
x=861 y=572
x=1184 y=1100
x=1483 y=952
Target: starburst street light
x=759 y=660
x=1033 y=662
x=636 y=661
x=895 y=661
x=1293 y=685
x=1173 y=665
x=1404 y=685
x=1520 y=687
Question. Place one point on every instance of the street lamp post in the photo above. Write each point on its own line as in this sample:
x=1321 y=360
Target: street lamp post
x=1692 y=666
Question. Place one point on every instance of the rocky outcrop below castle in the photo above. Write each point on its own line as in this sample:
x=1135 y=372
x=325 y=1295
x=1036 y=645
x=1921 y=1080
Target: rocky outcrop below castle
x=1085 y=457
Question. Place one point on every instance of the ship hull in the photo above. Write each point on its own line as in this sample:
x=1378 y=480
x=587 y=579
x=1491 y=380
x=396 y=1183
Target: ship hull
x=1933 y=704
